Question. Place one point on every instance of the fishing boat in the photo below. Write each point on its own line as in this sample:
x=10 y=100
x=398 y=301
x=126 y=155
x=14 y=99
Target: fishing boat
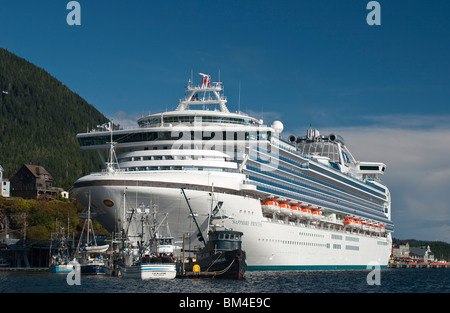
x=222 y=255
x=60 y=262
x=90 y=255
x=153 y=257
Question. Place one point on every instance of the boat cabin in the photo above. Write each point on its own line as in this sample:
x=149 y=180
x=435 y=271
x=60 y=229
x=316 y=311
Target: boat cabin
x=226 y=239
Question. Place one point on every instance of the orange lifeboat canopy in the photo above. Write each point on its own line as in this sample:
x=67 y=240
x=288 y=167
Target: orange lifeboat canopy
x=295 y=208
x=270 y=202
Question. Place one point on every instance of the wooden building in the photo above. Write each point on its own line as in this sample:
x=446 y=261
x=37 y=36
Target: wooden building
x=34 y=182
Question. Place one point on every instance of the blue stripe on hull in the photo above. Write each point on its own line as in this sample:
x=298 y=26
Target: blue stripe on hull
x=307 y=267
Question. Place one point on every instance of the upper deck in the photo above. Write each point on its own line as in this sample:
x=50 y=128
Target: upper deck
x=193 y=117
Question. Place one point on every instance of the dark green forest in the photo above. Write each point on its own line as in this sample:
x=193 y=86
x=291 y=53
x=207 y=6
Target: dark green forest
x=39 y=120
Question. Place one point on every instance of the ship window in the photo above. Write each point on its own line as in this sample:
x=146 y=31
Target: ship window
x=369 y=168
x=326 y=149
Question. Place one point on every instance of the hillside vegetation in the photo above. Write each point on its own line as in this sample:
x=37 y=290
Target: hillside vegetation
x=39 y=120
x=42 y=218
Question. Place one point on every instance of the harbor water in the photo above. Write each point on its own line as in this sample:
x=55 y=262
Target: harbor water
x=352 y=281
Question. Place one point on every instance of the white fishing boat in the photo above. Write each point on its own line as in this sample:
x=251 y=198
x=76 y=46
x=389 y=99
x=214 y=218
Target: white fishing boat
x=60 y=262
x=153 y=258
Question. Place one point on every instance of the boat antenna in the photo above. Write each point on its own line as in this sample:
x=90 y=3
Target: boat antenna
x=200 y=235
x=239 y=98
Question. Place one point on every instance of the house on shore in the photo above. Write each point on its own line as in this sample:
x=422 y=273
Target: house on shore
x=421 y=254
x=34 y=182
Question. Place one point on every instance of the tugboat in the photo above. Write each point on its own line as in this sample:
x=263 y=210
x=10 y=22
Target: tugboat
x=221 y=257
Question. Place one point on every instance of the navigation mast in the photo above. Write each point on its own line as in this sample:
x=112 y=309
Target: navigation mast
x=207 y=93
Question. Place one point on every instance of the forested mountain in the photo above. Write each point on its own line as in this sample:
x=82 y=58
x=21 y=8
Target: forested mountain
x=39 y=120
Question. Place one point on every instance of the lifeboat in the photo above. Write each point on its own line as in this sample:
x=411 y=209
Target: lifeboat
x=365 y=225
x=317 y=214
x=376 y=228
x=306 y=212
x=285 y=208
x=352 y=222
x=296 y=210
x=270 y=206
x=349 y=221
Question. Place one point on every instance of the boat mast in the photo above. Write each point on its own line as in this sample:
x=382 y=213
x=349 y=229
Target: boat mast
x=206 y=87
x=112 y=164
x=89 y=218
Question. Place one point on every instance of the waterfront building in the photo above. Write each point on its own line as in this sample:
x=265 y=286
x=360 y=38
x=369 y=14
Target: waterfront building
x=421 y=254
x=400 y=250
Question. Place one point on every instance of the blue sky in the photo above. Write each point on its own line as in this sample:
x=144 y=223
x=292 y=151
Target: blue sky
x=385 y=88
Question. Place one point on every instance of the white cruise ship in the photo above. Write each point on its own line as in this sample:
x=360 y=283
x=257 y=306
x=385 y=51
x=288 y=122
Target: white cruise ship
x=302 y=202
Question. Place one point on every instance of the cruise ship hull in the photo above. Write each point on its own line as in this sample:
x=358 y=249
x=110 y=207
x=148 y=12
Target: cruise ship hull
x=271 y=244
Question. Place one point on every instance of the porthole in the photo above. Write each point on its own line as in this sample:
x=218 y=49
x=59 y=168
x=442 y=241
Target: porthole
x=108 y=203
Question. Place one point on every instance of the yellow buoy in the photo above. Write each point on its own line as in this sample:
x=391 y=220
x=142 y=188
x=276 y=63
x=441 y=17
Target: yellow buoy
x=196 y=268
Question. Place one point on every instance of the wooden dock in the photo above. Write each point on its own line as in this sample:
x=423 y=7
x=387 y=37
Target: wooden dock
x=418 y=265
x=196 y=275
x=24 y=269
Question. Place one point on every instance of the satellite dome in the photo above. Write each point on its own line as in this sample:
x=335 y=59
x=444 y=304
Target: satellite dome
x=277 y=127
